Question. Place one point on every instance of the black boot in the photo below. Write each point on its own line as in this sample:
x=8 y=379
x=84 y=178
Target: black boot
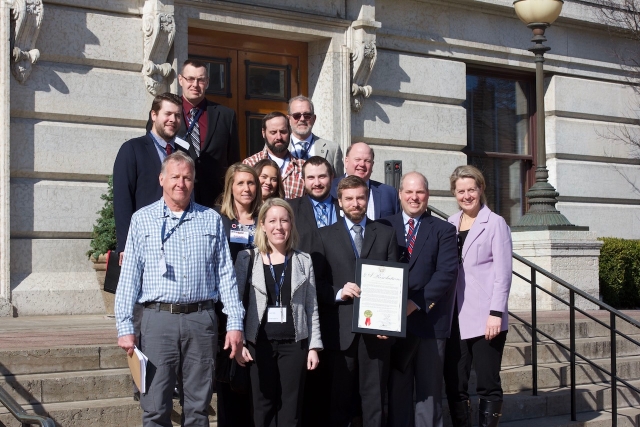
x=460 y=413
x=490 y=413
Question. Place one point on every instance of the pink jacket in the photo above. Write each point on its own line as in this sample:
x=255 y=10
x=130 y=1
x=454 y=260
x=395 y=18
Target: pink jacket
x=484 y=277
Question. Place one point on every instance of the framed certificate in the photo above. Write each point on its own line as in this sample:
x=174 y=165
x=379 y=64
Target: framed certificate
x=381 y=308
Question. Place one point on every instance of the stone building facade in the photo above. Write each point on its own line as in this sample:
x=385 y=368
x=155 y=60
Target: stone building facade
x=398 y=74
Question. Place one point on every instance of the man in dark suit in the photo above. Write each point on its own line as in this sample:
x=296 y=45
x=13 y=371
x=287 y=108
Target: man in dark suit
x=429 y=246
x=211 y=131
x=359 y=362
x=383 y=198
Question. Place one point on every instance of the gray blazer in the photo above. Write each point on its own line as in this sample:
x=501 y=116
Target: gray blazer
x=304 y=306
x=329 y=150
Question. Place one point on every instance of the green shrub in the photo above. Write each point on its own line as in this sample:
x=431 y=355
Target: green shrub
x=620 y=272
x=104 y=230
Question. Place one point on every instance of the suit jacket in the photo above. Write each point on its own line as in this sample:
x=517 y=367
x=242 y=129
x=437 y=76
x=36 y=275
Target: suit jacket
x=484 y=279
x=308 y=237
x=303 y=296
x=328 y=150
x=433 y=268
x=339 y=267
x=220 y=149
x=385 y=197
x=135 y=182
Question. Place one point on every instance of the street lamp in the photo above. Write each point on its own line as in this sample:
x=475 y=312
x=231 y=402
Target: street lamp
x=542 y=197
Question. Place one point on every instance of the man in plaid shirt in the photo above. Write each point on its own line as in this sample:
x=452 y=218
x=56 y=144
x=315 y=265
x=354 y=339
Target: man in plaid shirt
x=177 y=265
x=276 y=133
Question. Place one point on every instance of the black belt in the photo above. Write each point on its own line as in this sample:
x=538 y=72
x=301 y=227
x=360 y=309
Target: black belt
x=181 y=308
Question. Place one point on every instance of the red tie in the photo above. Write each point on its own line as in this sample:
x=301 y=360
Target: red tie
x=168 y=149
x=412 y=237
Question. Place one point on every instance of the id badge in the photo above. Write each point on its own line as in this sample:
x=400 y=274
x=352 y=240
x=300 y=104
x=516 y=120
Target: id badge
x=237 y=236
x=162 y=264
x=276 y=314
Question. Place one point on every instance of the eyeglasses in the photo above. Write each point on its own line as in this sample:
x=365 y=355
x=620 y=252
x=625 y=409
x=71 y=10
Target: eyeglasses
x=198 y=80
x=296 y=116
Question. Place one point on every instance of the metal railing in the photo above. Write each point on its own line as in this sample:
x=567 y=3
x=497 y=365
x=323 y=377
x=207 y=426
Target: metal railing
x=20 y=414
x=614 y=333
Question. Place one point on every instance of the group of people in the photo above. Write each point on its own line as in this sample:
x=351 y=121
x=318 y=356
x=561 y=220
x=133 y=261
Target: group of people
x=261 y=267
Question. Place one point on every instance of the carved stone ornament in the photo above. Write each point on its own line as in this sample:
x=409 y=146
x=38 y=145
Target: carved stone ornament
x=26 y=19
x=159 y=28
x=363 y=58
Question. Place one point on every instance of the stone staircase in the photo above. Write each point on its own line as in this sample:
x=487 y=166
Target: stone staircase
x=70 y=369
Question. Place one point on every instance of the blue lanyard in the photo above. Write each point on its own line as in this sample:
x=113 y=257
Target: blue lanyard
x=415 y=231
x=278 y=285
x=164 y=226
x=353 y=244
x=194 y=121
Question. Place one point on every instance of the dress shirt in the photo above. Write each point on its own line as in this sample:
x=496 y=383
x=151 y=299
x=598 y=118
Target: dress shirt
x=300 y=143
x=282 y=163
x=161 y=145
x=198 y=264
x=331 y=212
x=416 y=225
x=371 y=210
x=292 y=176
x=203 y=121
x=350 y=225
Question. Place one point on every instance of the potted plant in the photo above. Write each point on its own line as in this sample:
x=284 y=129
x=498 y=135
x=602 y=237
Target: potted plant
x=104 y=240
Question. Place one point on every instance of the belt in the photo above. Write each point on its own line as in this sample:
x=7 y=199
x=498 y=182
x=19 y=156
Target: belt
x=181 y=308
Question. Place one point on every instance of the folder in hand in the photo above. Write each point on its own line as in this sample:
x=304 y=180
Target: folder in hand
x=138 y=366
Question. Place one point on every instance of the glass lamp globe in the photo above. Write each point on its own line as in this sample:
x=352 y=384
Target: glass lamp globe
x=538 y=11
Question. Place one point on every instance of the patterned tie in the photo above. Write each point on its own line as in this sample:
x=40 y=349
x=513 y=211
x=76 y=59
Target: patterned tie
x=168 y=149
x=357 y=240
x=303 y=152
x=321 y=219
x=412 y=237
x=194 y=136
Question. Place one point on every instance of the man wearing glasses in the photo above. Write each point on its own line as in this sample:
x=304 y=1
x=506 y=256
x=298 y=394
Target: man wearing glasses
x=211 y=131
x=304 y=143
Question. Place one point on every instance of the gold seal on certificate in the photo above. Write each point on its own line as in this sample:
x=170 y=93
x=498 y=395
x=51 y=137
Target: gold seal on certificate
x=381 y=308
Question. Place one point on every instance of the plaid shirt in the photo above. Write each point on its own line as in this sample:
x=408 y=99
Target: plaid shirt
x=198 y=264
x=291 y=178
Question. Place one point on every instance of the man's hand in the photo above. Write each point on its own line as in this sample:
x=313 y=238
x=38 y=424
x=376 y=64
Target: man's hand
x=349 y=291
x=493 y=327
x=245 y=358
x=234 y=341
x=121 y=258
x=411 y=307
x=382 y=337
x=127 y=342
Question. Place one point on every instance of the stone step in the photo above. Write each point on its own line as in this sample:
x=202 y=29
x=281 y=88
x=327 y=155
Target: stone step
x=628 y=417
x=560 y=330
x=68 y=386
x=519 y=353
x=61 y=359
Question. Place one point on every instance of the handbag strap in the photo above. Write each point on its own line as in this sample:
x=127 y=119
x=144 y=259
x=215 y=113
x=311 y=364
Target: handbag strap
x=245 y=296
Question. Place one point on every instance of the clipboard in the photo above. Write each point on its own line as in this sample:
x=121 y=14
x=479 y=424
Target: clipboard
x=138 y=367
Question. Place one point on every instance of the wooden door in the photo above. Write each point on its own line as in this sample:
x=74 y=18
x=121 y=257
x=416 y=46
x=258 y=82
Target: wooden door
x=252 y=75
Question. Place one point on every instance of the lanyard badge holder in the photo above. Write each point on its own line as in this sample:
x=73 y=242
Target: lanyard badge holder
x=162 y=263
x=279 y=312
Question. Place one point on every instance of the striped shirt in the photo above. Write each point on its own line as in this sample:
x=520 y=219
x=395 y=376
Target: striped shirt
x=197 y=259
x=291 y=177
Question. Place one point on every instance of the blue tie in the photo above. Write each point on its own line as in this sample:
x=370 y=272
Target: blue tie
x=321 y=217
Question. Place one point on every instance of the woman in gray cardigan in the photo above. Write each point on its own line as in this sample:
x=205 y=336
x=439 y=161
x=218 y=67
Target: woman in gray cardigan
x=282 y=330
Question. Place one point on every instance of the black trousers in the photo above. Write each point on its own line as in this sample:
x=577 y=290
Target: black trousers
x=317 y=393
x=277 y=381
x=485 y=355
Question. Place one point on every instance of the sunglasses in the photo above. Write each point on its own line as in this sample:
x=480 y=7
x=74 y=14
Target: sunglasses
x=296 y=116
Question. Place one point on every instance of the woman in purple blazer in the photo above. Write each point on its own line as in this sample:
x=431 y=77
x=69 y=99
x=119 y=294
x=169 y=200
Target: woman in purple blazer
x=479 y=328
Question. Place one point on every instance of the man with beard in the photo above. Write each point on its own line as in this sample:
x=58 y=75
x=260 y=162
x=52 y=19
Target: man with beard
x=358 y=362
x=276 y=134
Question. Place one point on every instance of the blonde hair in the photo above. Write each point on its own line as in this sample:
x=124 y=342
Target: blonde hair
x=227 y=206
x=468 y=171
x=260 y=239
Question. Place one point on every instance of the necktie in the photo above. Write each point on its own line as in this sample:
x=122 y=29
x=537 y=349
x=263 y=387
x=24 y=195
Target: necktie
x=194 y=136
x=357 y=240
x=411 y=235
x=303 y=152
x=168 y=149
x=321 y=219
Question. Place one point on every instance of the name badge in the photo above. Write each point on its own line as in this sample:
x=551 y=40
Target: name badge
x=162 y=264
x=181 y=142
x=237 y=236
x=276 y=314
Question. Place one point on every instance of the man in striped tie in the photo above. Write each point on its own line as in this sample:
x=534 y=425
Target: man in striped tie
x=429 y=247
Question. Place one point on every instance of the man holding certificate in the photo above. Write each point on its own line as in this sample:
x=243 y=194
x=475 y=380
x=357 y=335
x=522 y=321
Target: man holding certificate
x=359 y=362
x=428 y=245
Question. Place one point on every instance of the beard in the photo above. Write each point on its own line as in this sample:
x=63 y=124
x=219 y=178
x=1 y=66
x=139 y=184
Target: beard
x=277 y=149
x=162 y=133
x=355 y=216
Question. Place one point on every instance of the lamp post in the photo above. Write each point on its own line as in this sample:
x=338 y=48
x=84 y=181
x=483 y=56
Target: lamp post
x=542 y=196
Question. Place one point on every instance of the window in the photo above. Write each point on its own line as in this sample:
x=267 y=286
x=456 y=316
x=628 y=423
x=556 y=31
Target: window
x=500 y=138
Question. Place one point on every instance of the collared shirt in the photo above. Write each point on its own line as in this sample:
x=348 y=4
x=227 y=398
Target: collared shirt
x=331 y=212
x=291 y=178
x=203 y=121
x=197 y=259
x=405 y=218
x=350 y=225
x=161 y=145
x=282 y=163
x=299 y=144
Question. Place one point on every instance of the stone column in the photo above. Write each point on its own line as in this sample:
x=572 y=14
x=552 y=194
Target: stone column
x=5 y=111
x=573 y=256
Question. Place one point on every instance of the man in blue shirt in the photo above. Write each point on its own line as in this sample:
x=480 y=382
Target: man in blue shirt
x=177 y=265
